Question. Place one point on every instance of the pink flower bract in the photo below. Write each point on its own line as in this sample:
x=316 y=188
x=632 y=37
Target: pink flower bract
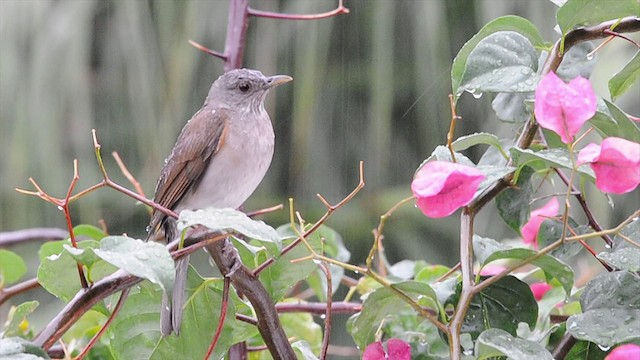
x=443 y=187
x=624 y=352
x=564 y=108
x=530 y=229
x=539 y=289
x=616 y=163
x=396 y=350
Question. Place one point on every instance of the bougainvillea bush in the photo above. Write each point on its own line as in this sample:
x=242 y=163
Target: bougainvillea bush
x=516 y=299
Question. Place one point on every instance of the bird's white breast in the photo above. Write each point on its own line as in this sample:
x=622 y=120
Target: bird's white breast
x=236 y=170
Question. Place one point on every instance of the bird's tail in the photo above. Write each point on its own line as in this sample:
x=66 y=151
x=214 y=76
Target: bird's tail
x=171 y=311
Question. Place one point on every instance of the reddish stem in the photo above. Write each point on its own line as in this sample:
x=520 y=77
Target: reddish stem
x=96 y=337
x=223 y=314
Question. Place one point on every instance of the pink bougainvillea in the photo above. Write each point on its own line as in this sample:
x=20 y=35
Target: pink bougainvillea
x=530 y=229
x=396 y=350
x=443 y=187
x=624 y=352
x=616 y=163
x=539 y=289
x=564 y=108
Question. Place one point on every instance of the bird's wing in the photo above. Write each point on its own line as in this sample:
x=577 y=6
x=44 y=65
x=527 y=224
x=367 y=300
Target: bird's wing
x=199 y=141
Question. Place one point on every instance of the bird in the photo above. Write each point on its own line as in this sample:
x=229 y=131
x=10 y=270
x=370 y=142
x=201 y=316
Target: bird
x=219 y=159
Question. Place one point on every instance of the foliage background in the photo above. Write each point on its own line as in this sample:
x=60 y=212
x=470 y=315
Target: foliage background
x=371 y=85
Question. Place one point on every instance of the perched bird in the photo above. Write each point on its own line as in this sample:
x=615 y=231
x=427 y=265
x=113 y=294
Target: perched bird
x=218 y=160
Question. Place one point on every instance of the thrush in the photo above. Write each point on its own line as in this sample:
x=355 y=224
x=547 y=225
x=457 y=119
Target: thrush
x=219 y=159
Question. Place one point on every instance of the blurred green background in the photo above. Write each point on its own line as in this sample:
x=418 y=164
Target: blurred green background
x=371 y=85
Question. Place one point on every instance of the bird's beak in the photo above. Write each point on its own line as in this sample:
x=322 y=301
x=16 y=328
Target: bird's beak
x=275 y=80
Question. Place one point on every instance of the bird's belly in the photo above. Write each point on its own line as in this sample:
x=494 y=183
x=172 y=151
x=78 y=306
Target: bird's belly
x=231 y=177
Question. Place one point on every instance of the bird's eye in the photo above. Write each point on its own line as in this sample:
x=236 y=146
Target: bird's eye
x=244 y=87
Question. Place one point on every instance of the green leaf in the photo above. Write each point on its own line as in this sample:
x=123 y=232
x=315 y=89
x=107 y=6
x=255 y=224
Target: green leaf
x=12 y=267
x=622 y=81
x=303 y=350
x=622 y=259
x=90 y=231
x=84 y=329
x=384 y=304
x=605 y=326
x=546 y=159
x=431 y=273
x=20 y=349
x=417 y=331
x=147 y=260
x=442 y=153
x=492 y=174
x=17 y=314
x=551 y=230
x=505 y=23
x=577 y=62
x=488 y=250
x=504 y=61
x=58 y=272
x=619 y=289
x=497 y=342
x=465 y=142
x=135 y=332
x=513 y=202
x=512 y=107
x=609 y=120
x=503 y=305
x=585 y=350
x=226 y=220
x=592 y=12
x=282 y=275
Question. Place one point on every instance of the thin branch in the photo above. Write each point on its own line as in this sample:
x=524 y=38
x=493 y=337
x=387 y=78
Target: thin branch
x=96 y=337
x=8 y=238
x=207 y=50
x=341 y=9
x=327 y=319
x=585 y=208
x=327 y=214
x=338 y=307
x=127 y=174
x=452 y=127
x=466 y=295
x=224 y=307
x=19 y=288
x=265 y=210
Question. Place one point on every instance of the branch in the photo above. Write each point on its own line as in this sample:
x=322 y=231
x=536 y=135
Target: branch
x=8 y=238
x=327 y=319
x=7 y=293
x=228 y=261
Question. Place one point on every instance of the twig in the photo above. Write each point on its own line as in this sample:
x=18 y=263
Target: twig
x=341 y=9
x=452 y=127
x=585 y=208
x=8 y=238
x=19 y=288
x=123 y=296
x=224 y=307
x=127 y=174
x=327 y=214
x=466 y=267
x=327 y=319
x=207 y=50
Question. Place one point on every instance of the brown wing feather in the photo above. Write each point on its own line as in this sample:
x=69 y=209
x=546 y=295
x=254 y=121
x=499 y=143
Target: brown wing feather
x=198 y=142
